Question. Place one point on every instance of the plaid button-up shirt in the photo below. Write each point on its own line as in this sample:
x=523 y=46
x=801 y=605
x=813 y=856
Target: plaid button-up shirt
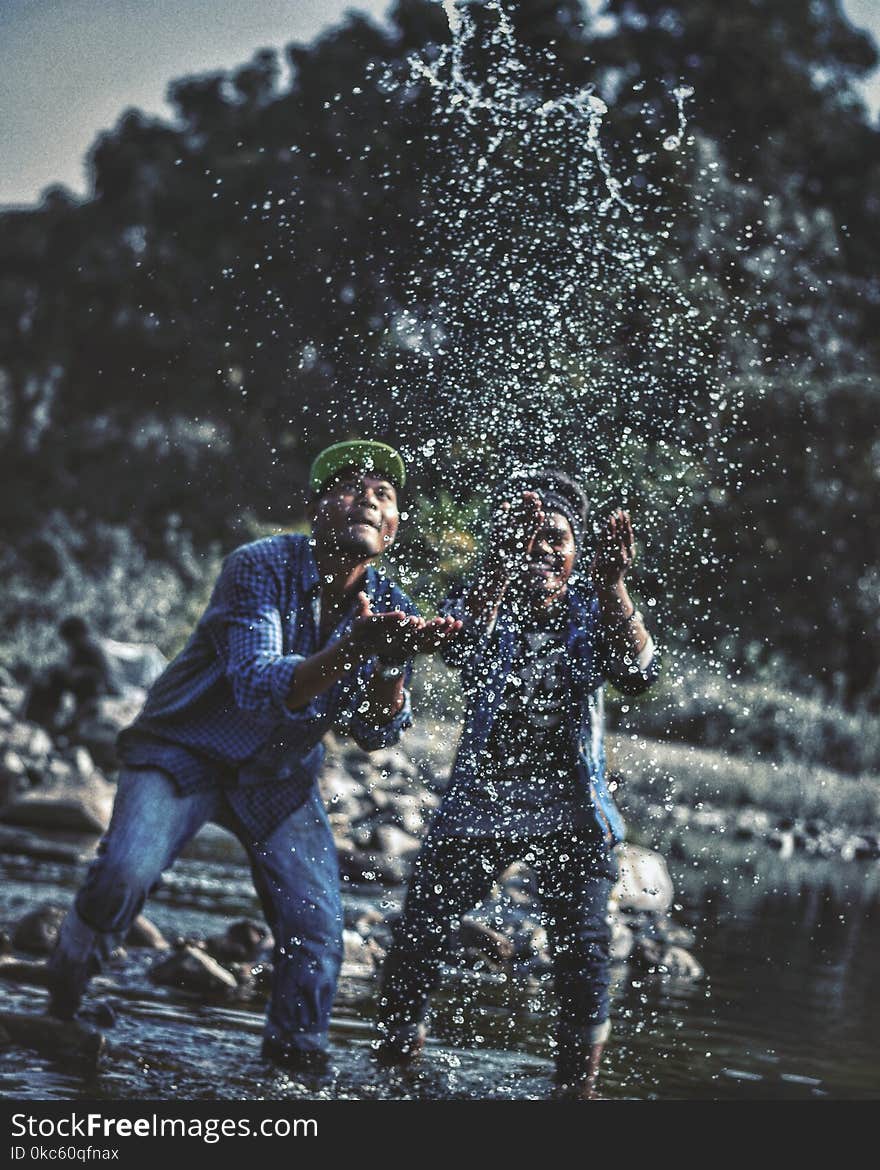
x=218 y=714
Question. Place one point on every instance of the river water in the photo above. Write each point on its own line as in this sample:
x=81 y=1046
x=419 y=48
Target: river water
x=787 y=1007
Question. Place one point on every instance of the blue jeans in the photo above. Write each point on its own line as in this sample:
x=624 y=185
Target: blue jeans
x=295 y=872
x=574 y=875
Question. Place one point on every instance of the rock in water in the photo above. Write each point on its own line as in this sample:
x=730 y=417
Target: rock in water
x=622 y=940
x=644 y=884
x=241 y=943
x=143 y=933
x=37 y=932
x=23 y=971
x=194 y=970
x=681 y=964
x=52 y=1037
x=474 y=934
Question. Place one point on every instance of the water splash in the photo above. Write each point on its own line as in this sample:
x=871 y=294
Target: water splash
x=550 y=315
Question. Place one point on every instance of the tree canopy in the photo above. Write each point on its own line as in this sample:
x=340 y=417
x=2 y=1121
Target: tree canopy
x=260 y=273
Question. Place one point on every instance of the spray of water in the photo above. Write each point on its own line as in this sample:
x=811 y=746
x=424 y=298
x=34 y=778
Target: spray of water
x=552 y=317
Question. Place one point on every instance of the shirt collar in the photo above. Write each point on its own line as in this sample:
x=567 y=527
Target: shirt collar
x=310 y=578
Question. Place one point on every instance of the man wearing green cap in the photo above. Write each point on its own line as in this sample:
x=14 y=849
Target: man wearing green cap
x=302 y=635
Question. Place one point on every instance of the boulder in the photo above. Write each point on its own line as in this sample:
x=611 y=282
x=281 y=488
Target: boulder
x=783 y=840
x=82 y=762
x=143 y=933
x=73 y=804
x=752 y=822
x=21 y=843
x=135 y=665
x=476 y=935
x=644 y=884
x=358 y=952
x=356 y=865
x=30 y=740
x=13 y=776
x=412 y=810
x=37 y=932
x=241 y=943
x=98 y=729
x=622 y=940
x=394 y=842
x=52 y=1037
x=342 y=794
x=859 y=848
x=681 y=964
x=193 y=970
x=30 y=971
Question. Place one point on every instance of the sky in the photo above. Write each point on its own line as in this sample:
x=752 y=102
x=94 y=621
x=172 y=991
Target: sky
x=68 y=68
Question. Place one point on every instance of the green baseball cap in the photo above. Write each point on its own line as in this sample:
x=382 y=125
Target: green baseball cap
x=366 y=454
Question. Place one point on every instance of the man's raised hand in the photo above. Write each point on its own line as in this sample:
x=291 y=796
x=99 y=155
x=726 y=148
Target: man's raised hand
x=397 y=636
x=616 y=549
x=435 y=633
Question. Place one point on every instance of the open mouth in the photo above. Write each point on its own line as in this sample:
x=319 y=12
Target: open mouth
x=357 y=521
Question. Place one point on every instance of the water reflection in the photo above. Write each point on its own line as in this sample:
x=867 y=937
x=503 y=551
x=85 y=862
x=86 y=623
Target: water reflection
x=786 y=1009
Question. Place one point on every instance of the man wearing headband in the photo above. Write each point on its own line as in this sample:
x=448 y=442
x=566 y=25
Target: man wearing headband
x=528 y=780
x=302 y=635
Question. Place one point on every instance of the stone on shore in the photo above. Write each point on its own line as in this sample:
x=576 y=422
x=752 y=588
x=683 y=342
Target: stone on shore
x=394 y=842
x=360 y=867
x=37 y=932
x=67 y=803
x=98 y=730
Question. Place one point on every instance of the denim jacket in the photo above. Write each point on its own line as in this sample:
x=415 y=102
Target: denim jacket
x=484 y=655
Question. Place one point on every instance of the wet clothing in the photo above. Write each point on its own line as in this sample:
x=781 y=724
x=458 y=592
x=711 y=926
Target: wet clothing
x=574 y=876
x=216 y=741
x=295 y=873
x=488 y=659
x=528 y=783
x=217 y=716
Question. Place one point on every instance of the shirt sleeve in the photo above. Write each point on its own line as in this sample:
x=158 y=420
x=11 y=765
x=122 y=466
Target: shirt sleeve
x=628 y=673
x=351 y=716
x=459 y=651
x=248 y=636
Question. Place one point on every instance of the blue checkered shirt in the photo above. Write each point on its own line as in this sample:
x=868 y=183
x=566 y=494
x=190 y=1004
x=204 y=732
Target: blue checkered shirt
x=218 y=714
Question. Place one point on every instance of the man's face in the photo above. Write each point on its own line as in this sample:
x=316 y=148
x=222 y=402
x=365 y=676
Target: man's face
x=551 y=559
x=356 y=514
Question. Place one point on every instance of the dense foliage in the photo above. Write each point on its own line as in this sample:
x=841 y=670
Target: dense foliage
x=239 y=287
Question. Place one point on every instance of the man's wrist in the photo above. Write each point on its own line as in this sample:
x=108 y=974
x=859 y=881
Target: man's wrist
x=353 y=649
x=610 y=588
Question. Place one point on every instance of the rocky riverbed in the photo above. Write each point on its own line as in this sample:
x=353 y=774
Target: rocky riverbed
x=203 y=958
x=56 y=800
